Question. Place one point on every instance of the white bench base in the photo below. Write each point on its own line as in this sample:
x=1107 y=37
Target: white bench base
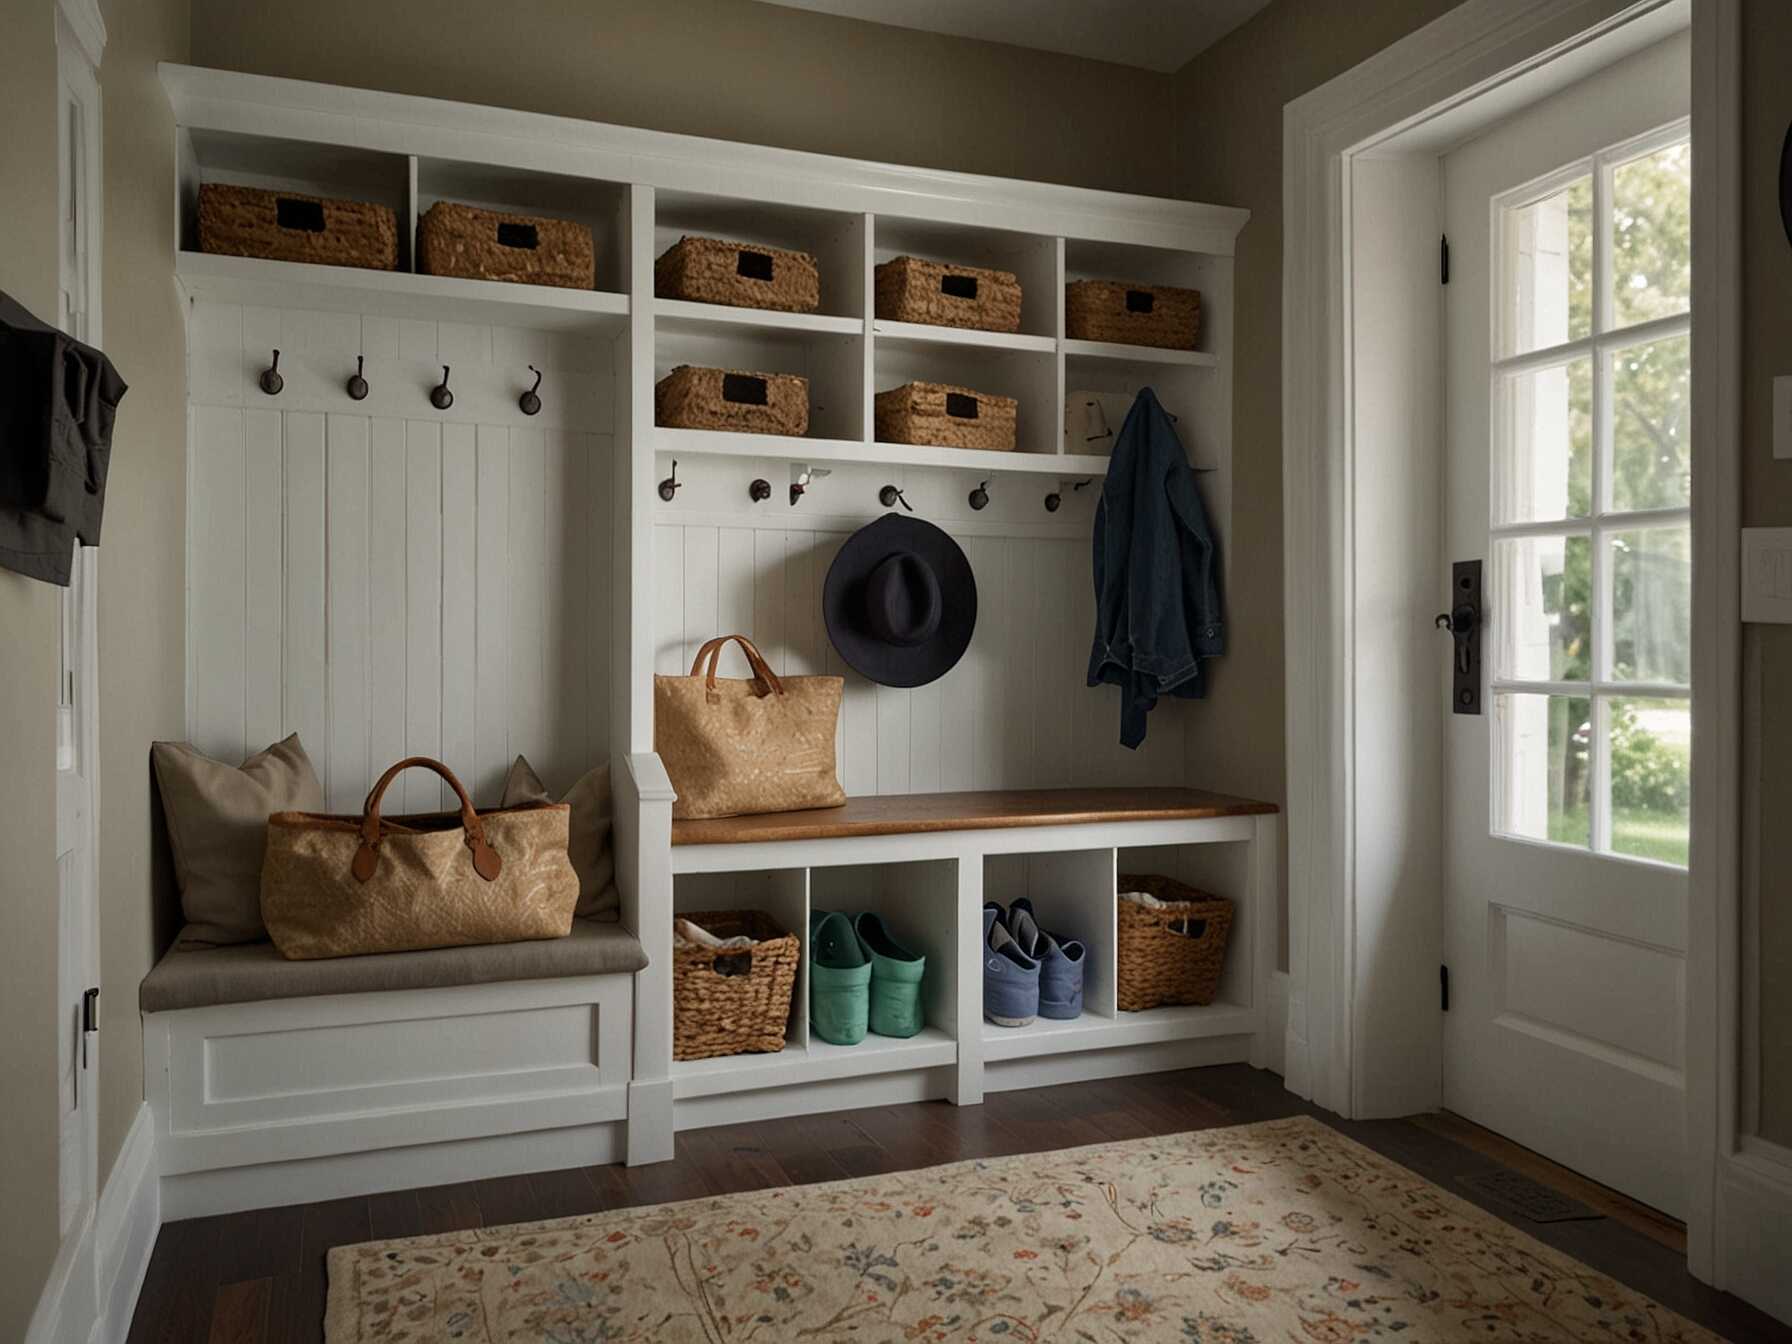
x=292 y=1100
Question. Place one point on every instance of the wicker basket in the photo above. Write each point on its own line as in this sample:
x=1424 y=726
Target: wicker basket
x=741 y=275
x=912 y=290
x=732 y=1001
x=477 y=244
x=285 y=226
x=1158 y=966
x=751 y=403
x=946 y=417
x=1106 y=310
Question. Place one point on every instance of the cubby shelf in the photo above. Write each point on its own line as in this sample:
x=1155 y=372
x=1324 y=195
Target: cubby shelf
x=720 y=443
x=681 y=314
x=1043 y=1036
x=920 y=334
x=252 y=281
x=1139 y=354
x=819 y=1062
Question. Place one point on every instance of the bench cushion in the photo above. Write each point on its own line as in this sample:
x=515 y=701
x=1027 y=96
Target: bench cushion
x=247 y=972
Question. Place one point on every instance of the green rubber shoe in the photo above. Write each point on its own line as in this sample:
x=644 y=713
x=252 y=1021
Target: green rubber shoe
x=895 y=979
x=839 y=980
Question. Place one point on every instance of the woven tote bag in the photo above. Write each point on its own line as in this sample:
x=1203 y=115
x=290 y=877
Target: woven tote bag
x=341 y=886
x=736 y=746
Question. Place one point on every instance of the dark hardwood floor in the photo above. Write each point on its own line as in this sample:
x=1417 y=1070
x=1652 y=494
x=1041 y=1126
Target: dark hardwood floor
x=259 y=1276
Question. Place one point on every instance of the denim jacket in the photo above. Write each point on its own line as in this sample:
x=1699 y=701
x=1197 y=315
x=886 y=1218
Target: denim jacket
x=1157 y=581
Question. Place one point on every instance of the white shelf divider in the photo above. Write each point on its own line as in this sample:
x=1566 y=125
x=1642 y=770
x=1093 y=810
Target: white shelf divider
x=1139 y=354
x=920 y=334
x=681 y=314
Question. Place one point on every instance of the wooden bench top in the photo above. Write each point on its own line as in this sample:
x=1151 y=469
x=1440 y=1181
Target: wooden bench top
x=915 y=813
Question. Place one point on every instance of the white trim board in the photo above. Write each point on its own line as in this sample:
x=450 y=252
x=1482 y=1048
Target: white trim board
x=1494 y=47
x=91 y=1293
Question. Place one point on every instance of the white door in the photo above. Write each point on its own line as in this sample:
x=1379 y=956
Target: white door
x=77 y=719
x=1567 y=474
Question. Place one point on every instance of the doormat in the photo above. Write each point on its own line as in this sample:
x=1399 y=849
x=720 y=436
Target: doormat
x=1533 y=1199
x=1284 y=1230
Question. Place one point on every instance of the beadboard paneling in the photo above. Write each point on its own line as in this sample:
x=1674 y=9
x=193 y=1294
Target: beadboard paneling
x=1014 y=713
x=389 y=587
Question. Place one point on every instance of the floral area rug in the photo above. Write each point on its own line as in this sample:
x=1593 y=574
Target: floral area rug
x=1280 y=1231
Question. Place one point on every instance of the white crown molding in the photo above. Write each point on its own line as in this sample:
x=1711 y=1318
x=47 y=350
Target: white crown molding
x=83 y=22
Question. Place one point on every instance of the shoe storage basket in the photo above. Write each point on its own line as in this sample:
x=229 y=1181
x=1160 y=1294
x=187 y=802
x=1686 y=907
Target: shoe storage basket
x=912 y=290
x=477 y=244
x=285 y=226
x=946 y=417
x=1157 y=964
x=732 y=1000
x=754 y=403
x=741 y=275
x=1106 y=310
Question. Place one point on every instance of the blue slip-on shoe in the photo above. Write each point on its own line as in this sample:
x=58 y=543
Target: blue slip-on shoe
x=895 y=978
x=1061 y=961
x=1010 y=976
x=839 y=980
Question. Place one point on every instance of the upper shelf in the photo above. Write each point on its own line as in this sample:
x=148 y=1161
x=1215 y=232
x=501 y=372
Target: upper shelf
x=1139 y=354
x=721 y=443
x=440 y=298
x=683 y=315
x=887 y=332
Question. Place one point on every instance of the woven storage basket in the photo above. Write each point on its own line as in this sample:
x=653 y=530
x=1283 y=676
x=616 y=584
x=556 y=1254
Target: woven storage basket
x=1106 y=310
x=751 y=403
x=463 y=240
x=285 y=226
x=736 y=1000
x=1158 y=966
x=946 y=417
x=741 y=275
x=912 y=290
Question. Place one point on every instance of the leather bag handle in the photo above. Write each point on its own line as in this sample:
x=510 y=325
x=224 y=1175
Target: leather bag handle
x=712 y=650
x=486 y=861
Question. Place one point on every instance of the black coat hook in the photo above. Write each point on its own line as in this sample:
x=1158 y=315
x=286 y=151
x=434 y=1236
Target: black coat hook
x=357 y=385
x=1055 y=500
x=669 y=486
x=979 y=497
x=530 y=402
x=439 y=395
x=760 y=490
x=271 y=381
x=890 y=497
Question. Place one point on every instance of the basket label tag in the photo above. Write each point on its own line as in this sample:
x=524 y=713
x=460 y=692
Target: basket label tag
x=518 y=235
x=959 y=286
x=754 y=265
x=1140 y=300
x=743 y=389
x=961 y=407
x=291 y=213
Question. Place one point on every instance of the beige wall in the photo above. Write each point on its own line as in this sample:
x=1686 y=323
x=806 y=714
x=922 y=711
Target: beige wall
x=1767 y=502
x=1230 y=112
x=28 y=615
x=142 y=616
x=756 y=73
x=141 y=608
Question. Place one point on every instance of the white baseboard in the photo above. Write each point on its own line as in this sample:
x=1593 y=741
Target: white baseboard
x=1754 y=1227
x=91 y=1293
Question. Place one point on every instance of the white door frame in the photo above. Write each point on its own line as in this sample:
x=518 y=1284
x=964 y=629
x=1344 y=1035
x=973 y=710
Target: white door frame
x=1480 y=48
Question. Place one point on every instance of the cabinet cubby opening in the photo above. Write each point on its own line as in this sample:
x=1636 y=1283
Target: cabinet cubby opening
x=1223 y=870
x=834 y=238
x=601 y=207
x=833 y=364
x=782 y=893
x=918 y=902
x=341 y=172
x=1032 y=258
x=1030 y=378
x=1072 y=893
x=1212 y=275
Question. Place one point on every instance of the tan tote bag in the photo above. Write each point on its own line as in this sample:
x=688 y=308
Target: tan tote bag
x=733 y=746
x=336 y=886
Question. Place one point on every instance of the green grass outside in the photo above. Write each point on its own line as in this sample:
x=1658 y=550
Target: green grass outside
x=1636 y=831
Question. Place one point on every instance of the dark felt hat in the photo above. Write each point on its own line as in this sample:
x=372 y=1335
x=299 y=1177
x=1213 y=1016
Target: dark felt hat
x=900 y=601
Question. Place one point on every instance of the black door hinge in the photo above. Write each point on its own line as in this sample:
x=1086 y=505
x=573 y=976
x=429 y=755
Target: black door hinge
x=1444 y=251
x=1443 y=984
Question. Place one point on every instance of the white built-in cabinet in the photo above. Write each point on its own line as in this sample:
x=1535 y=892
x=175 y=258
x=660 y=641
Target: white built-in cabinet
x=390 y=579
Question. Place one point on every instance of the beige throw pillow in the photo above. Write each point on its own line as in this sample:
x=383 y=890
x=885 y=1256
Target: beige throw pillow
x=218 y=829
x=588 y=833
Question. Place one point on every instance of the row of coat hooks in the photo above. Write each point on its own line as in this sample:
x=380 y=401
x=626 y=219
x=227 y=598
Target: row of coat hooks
x=802 y=476
x=440 y=396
